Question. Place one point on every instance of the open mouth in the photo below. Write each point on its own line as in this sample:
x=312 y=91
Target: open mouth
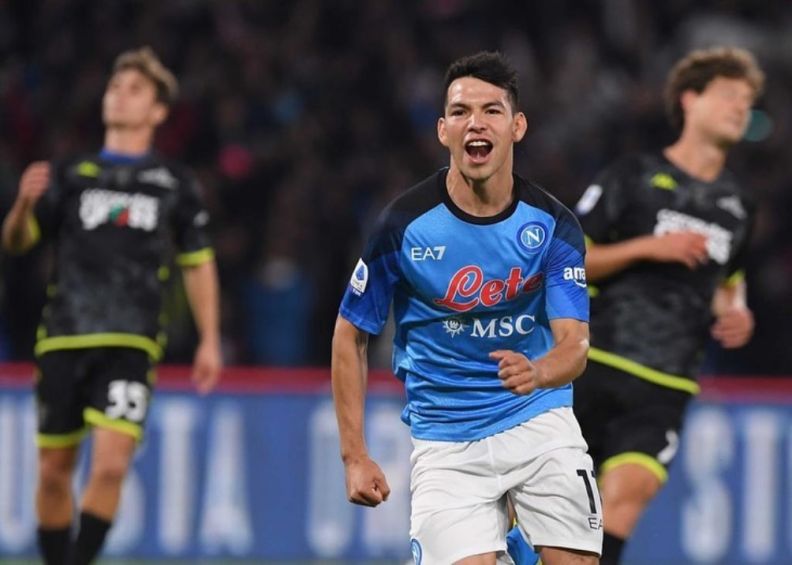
x=478 y=149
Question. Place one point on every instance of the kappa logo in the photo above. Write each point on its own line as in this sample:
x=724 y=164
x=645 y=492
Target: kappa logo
x=576 y=274
x=99 y=206
x=159 y=177
x=732 y=205
x=532 y=236
x=588 y=200
x=359 y=278
x=467 y=288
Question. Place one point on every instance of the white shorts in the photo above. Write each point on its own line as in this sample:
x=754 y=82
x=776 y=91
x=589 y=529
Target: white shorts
x=459 y=491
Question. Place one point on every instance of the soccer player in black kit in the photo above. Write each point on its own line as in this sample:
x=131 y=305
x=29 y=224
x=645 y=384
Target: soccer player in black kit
x=116 y=219
x=667 y=237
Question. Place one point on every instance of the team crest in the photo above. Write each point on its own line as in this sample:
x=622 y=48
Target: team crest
x=359 y=278
x=532 y=236
x=416 y=550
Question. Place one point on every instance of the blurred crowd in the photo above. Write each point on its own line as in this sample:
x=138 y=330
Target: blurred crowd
x=303 y=118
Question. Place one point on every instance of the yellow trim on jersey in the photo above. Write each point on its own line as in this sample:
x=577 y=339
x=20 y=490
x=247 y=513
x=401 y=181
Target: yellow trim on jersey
x=593 y=291
x=643 y=372
x=47 y=344
x=34 y=229
x=98 y=419
x=88 y=169
x=636 y=458
x=735 y=278
x=61 y=440
x=588 y=241
x=664 y=181
x=195 y=258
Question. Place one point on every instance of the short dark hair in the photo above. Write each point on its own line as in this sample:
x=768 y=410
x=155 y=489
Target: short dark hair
x=698 y=68
x=146 y=62
x=489 y=66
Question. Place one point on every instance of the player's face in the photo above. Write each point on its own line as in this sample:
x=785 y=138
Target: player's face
x=722 y=110
x=479 y=127
x=130 y=101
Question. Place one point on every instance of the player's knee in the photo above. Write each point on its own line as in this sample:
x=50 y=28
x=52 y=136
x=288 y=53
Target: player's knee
x=55 y=475
x=109 y=470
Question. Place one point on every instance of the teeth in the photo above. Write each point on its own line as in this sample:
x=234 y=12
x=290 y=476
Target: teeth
x=478 y=144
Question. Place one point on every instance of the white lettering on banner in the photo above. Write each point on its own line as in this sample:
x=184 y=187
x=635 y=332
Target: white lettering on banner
x=761 y=434
x=706 y=530
x=17 y=474
x=177 y=473
x=225 y=519
x=719 y=239
x=391 y=446
x=331 y=518
x=127 y=531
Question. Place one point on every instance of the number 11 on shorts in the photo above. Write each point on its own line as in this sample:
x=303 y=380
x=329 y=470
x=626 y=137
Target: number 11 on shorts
x=595 y=521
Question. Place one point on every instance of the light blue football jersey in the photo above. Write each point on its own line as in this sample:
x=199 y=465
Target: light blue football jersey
x=463 y=286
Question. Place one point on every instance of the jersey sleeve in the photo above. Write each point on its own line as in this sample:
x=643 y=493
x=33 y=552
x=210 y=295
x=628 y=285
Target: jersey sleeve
x=369 y=293
x=735 y=269
x=190 y=223
x=602 y=204
x=567 y=295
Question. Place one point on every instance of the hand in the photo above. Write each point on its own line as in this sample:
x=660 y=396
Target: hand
x=517 y=372
x=206 y=366
x=686 y=247
x=734 y=327
x=365 y=482
x=34 y=183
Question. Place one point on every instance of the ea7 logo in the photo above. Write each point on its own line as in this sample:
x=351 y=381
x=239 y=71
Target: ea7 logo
x=575 y=274
x=427 y=253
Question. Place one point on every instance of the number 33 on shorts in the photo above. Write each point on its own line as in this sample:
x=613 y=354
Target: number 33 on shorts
x=127 y=400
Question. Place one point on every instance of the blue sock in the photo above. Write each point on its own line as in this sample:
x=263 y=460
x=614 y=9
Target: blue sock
x=520 y=550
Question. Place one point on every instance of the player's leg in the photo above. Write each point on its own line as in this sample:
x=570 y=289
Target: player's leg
x=119 y=403
x=641 y=444
x=59 y=403
x=112 y=455
x=555 y=495
x=458 y=509
x=54 y=503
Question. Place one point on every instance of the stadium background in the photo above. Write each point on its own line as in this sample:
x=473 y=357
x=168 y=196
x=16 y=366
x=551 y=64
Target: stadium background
x=302 y=119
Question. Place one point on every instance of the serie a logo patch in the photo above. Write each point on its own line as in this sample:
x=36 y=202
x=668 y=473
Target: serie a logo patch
x=359 y=278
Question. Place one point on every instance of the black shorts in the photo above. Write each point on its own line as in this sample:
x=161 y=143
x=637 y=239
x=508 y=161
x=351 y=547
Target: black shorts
x=626 y=419
x=108 y=387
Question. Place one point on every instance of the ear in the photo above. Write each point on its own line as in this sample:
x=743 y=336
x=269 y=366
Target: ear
x=687 y=98
x=519 y=127
x=159 y=113
x=442 y=134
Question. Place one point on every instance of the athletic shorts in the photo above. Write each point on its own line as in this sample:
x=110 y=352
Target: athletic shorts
x=459 y=491
x=107 y=387
x=626 y=419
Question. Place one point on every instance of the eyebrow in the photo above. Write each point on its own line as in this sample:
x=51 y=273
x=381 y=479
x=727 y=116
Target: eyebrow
x=486 y=105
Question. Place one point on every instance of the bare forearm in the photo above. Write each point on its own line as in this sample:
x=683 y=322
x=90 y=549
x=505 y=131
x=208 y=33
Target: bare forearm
x=18 y=233
x=564 y=363
x=349 y=375
x=202 y=287
x=604 y=260
x=729 y=296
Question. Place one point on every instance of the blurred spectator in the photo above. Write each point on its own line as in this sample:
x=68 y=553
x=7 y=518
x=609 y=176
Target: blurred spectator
x=304 y=117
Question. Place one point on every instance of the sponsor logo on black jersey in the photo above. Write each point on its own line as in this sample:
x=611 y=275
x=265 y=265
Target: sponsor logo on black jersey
x=99 y=206
x=732 y=205
x=719 y=239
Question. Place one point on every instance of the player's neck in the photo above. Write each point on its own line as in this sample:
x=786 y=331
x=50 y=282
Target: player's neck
x=128 y=141
x=480 y=198
x=697 y=157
